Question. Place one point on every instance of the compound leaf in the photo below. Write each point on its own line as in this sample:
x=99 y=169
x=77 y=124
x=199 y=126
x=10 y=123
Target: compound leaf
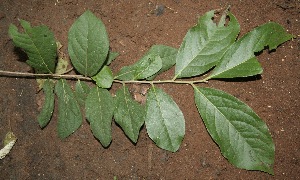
x=240 y=61
x=38 y=43
x=69 y=114
x=204 y=45
x=129 y=114
x=145 y=67
x=88 y=44
x=48 y=107
x=242 y=136
x=167 y=55
x=99 y=112
x=104 y=78
x=164 y=120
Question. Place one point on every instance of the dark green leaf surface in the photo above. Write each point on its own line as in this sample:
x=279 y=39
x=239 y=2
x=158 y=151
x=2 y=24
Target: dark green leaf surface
x=39 y=45
x=88 y=44
x=99 y=112
x=69 y=114
x=104 y=78
x=167 y=55
x=242 y=136
x=129 y=114
x=164 y=120
x=240 y=61
x=145 y=67
x=81 y=92
x=48 y=107
x=204 y=45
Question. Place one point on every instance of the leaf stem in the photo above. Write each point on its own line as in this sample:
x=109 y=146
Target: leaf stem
x=54 y=76
x=80 y=77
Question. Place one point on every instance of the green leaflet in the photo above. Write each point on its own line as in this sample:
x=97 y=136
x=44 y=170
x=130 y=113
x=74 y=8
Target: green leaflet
x=242 y=136
x=48 y=107
x=129 y=114
x=69 y=114
x=167 y=55
x=144 y=68
x=111 y=57
x=239 y=60
x=104 y=78
x=81 y=92
x=88 y=44
x=99 y=112
x=204 y=45
x=164 y=120
x=39 y=45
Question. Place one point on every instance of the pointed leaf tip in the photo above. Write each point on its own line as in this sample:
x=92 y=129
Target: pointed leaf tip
x=240 y=61
x=243 y=138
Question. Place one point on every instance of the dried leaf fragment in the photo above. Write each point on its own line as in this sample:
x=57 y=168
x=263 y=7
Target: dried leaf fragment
x=9 y=142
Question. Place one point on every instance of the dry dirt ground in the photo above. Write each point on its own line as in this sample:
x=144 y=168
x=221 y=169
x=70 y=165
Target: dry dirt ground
x=133 y=26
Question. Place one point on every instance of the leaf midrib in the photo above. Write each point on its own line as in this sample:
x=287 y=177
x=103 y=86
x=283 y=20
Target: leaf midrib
x=215 y=107
x=37 y=50
x=203 y=46
x=128 y=111
x=161 y=114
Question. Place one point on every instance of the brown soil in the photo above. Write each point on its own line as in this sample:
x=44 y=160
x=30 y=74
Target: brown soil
x=133 y=27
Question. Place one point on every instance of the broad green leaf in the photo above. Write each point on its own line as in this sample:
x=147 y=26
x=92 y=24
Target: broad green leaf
x=111 y=57
x=48 y=107
x=129 y=114
x=167 y=55
x=99 y=112
x=240 y=61
x=204 y=45
x=104 y=78
x=38 y=43
x=242 y=136
x=164 y=120
x=145 y=67
x=69 y=114
x=88 y=44
x=81 y=92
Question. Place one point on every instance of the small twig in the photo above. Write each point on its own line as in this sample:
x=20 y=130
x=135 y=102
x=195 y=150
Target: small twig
x=80 y=77
x=55 y=76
